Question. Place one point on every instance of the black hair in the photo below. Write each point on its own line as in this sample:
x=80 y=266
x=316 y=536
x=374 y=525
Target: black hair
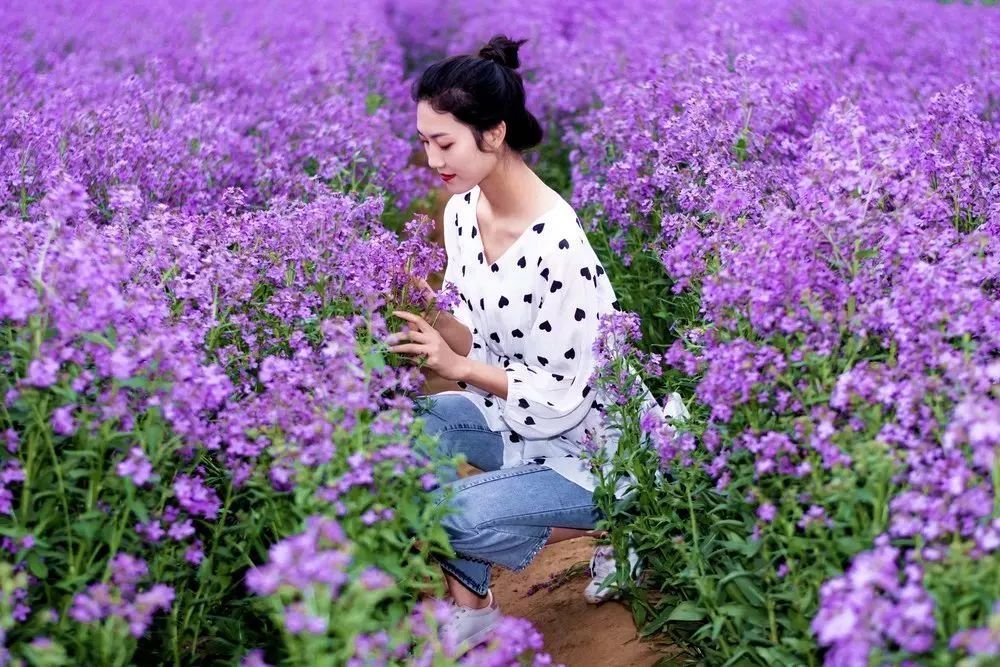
x=482 y=90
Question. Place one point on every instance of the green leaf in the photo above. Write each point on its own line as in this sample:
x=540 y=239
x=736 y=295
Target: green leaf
x=153 y=435
x=373 y=101
x=99 y=339
x=686 y=611
x=135 y=383
x=86 y=529
x=37 y=567
x=375 y=360
x=744 y=613
x=139 y=509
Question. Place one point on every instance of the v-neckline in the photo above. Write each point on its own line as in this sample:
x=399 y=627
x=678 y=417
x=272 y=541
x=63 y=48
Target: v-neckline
x=517 y=241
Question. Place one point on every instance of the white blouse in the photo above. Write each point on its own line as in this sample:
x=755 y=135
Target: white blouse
x=534 y=312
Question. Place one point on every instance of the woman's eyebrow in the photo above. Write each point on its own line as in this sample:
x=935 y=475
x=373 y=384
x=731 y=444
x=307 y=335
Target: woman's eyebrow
x=434 y=136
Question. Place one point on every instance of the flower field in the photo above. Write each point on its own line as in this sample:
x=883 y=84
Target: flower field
x=208 y=212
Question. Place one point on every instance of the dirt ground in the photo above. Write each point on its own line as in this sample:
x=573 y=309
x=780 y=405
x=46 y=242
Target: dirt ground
x=576 y=634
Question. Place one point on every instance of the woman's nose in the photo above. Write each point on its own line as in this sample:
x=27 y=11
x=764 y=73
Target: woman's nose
x=434 y=160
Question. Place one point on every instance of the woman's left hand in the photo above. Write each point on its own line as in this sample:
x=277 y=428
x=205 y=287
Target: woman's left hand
x=428 y=343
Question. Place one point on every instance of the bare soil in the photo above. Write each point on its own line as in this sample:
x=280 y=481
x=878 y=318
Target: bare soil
x=577 y=634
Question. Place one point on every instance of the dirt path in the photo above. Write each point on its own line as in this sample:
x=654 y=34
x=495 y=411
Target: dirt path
x=577 y=634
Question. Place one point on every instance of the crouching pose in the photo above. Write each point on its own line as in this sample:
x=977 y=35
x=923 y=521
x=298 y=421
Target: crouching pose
x=519 y=341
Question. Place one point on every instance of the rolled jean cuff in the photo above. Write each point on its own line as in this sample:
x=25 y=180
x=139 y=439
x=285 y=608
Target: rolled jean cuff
x=530 y=556
x=474 y=574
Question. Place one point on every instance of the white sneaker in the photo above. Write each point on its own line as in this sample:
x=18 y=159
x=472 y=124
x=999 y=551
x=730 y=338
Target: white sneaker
x=469 y=627
x=602 y=570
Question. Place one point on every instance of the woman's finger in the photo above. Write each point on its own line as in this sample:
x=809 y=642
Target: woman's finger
x=415 y=336
x=408 y=348
x=412 y=317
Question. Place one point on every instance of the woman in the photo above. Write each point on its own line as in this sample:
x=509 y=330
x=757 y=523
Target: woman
x=518 y=343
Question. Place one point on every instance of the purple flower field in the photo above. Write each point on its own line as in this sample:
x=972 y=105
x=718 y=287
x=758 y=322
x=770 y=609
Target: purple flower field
x=208 y=212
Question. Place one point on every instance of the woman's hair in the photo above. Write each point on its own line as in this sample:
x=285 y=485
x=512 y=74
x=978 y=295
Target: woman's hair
x=482 y=90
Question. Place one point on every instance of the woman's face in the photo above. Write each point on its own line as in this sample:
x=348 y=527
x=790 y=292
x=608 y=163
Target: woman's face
x=452 y=151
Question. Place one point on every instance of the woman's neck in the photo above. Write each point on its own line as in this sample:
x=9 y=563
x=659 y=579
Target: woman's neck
x=512 y=190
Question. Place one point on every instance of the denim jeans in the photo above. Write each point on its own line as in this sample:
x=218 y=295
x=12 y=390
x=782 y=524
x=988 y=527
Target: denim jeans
x=501 y=517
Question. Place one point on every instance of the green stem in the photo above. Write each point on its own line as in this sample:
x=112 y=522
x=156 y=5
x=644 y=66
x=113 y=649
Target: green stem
x=210 y=560
x=46 y=435
x=694 y=529
x=174 y=639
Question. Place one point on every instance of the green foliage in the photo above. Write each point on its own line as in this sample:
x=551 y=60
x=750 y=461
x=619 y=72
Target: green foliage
x=728 y=587
x=81 y=513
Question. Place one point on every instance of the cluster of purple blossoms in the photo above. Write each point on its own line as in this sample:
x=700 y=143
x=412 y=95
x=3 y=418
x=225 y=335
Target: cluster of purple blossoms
x=139 y=121
x=318 y=556
x=136 y=467
x=832 y=202
x=673 y=447
x=195 y=497
x=121 y=598
x=172 y=524
x=510 y=642
x=983 y=641
x=12 y=473
x=874 y=603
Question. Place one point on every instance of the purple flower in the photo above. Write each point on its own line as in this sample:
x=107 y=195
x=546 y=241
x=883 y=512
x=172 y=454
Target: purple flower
x=195 y=497
x=127 y=571
x=62 y=420
x=12 y=439
x=977 y=641
x=135 y=467
x=151 y=530
x=869 y=607
x=195 y=553
x=89 y=607
x=139 y=614
x=315 y=556
x=298 y=620
x=42 y=372
x=373 y=578
x=428 y=481
x=11 y=473
x=181 y=530
x=254 y=658
x=815 y=514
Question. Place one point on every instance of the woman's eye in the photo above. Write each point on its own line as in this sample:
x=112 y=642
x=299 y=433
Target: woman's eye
x=444 y=148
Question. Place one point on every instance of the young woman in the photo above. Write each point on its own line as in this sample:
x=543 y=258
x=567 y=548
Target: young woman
x=518 y=343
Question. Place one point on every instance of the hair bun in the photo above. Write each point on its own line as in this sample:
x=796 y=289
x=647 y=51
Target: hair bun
x=503 y=50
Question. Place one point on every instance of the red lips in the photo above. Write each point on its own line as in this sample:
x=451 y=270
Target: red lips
x=447 y=177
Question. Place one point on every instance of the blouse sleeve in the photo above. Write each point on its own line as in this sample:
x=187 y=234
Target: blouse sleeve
x=547 y=392
x=462 y=311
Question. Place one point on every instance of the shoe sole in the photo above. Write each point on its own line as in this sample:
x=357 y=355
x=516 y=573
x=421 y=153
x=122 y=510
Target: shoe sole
x=473 y=641
x=600 y=597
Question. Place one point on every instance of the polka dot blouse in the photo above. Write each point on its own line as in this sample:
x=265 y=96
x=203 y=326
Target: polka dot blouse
x=534 y=312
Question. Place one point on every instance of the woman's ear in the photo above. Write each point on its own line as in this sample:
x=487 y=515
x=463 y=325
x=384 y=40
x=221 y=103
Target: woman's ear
x=496 y=134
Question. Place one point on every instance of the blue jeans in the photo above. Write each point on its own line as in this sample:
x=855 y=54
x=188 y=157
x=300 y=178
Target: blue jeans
x=501 y=517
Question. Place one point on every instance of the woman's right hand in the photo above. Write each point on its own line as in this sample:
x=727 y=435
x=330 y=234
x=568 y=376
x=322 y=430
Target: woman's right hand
x=431 y=311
